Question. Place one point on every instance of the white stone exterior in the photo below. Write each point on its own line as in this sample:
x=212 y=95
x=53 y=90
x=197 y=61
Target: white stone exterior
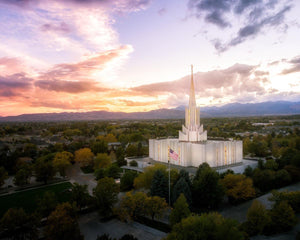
x=192 y=146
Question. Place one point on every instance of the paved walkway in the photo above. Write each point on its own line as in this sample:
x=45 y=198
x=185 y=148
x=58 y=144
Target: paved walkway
x=75 y=174
x=90 y=227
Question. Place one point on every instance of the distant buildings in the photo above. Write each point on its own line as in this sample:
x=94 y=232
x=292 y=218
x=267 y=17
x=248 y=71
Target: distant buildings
x=192 y=147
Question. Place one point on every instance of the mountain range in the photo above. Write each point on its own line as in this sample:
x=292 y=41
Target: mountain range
x=228 y=110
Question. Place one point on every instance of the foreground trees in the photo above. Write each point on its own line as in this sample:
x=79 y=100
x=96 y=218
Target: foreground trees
x=106 y=194
x=181 y=210
x=211 y=226
x=207 y=191
x=62 y=224
x=62 y=161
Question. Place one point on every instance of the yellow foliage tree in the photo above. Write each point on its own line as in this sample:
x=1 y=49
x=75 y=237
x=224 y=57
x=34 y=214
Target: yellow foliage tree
x=85 y=157
x=238 y=187
x=144 y=180
x=102 y=160
x=108 y=138
x=62 y=161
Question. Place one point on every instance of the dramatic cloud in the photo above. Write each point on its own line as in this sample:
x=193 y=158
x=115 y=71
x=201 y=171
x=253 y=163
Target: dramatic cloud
x=256 y=15
x=13 y=85
x=295 y=63
x=217 y=84
x=61 y=27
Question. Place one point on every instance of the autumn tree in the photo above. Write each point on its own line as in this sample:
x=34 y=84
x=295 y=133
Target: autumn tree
x=102 y=160
x=62 y=161
x=155 y=207
x=106 y=194
x=238 y=187
x=292 y=198
x=144 y=180
x=100 y=146
x=85 y=157
x=181 y=210
x=62 y=224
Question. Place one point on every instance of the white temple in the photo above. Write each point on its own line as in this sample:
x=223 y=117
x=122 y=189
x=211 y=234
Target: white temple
x=192 y=147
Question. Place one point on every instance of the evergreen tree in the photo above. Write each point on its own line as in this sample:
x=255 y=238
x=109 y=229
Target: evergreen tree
x=181 y=210
x=180 y=187
x=159 y=186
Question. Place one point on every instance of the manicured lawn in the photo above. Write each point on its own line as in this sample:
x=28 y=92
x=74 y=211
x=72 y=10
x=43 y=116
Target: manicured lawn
x=28 y=199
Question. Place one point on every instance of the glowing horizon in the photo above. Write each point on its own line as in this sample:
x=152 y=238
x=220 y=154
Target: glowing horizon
x=134 y=55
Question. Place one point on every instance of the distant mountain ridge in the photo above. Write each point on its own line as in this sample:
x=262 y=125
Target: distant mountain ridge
x=228 y=110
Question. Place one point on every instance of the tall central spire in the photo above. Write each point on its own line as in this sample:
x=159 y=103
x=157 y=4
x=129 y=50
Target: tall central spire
x=192 y=103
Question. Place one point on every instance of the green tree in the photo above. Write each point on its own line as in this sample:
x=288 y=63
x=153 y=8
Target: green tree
x=248 y=171
x=238 y=187
x=271 y=164
x=99 y=146
x=47 y=204
x=131 y=150
x=207 y=191
x=18 y=225
x=263 y=179
x=3 y=176
x=100 y=173
x=133 y=163
x=182 y=187
x=282 y=178
x=181 y=210
x=292 y=198
x=62 y=161
x=120 y=154
x=22 y=177
x=80 y=195
x=257 y=218
x=106 y=194
x=159 y=185
x=282 y=218
x=44 y=170
x=113 y=171
x=102 y=160
x=62 y=224
x=126 y=182
x=211 y=226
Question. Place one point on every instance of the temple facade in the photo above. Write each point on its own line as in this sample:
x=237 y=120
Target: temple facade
x=192 y=147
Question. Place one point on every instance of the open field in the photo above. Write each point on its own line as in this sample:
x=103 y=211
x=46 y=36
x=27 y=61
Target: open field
x=28 y=199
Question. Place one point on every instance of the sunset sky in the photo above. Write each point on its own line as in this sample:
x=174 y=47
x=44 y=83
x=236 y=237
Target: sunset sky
x=135 y=55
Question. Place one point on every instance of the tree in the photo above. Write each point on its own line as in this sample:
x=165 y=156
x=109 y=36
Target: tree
x=113 y=171
x=292 y=198
x=155 y=206
x=131 y=150
x=133 y=163
x=257 y=218
x=211 y=226
x=127 y=180
x=282 y=178
x=18 y=225
x=99 y=146
x=238 y=187
x=128 y=237
x=106 y=194
x=100 y=173
x=62 y=224
x=182 y=187
x=62 y=161
x=271 y=164
x=144 y=180
x=85 y=157
x=22 y=177
x=282 y=218
x=159 y=185
x=132 y=206
x=47 y=204
x=3 y=176
x=248 y=171
x=207 y=192
x=120 y=154
x=44 y=170
x=102 y=160
x=181 y=210
x=80 y=195
x=263 y=179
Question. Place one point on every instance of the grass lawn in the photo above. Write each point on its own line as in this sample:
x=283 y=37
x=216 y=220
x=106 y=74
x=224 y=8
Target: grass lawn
x=28 y=199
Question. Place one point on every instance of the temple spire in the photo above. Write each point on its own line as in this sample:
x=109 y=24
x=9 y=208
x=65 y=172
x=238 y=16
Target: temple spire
x=192 y=103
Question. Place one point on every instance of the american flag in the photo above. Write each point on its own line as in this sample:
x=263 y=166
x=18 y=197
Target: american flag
x=173 y=155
